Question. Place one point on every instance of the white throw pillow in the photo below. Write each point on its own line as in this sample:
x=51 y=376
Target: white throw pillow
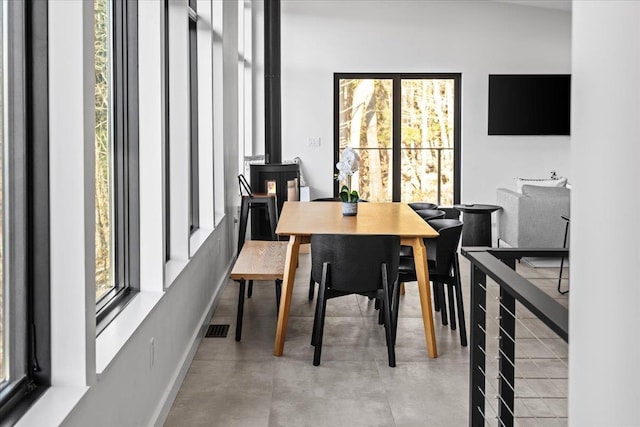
x=560 y=182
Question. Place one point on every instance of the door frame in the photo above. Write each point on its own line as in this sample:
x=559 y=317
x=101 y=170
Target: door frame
x=396 y=123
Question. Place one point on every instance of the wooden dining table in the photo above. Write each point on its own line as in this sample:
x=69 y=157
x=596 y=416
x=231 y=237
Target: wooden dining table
x=300 y=220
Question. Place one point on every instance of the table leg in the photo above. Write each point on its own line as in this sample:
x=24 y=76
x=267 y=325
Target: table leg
x=290 y=265
x=422 y=274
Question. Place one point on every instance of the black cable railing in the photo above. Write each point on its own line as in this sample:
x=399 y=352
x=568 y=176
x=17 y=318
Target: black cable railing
x=539 y=365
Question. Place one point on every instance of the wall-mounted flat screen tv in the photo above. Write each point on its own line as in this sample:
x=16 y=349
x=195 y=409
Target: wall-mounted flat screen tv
x=529 y=104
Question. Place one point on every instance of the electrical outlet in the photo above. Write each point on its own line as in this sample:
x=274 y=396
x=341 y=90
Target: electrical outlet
x=152 y=351
x=313 y=141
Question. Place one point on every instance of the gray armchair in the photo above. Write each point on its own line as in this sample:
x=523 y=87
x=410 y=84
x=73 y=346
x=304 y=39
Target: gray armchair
x=532 y=219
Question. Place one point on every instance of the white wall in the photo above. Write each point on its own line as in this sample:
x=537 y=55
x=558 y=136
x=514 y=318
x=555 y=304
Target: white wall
x=604 y=316
x=475 y=38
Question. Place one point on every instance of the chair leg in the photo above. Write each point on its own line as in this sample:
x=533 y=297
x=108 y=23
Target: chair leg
x=452 y=308
x=458 y=286
x=564 y=245
x=315 y=321
x=312 y=287
x=250 y=289
x=436 y=298
x=244 y=217
x=439 y=290
x=395 y=304
x=388 y=324
x=321 y=308
x=389 y=328
x=240 y=310
x=403 y=291
x=273 y=216
x=278 y=294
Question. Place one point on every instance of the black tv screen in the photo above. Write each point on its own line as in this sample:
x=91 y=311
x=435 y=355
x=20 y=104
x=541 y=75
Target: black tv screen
x=529 y=104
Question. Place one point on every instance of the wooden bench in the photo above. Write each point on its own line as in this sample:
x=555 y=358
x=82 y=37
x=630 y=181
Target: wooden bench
x=258 y=260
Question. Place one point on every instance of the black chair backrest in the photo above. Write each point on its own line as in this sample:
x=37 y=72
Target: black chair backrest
x=422 y=205
x=450 y=212
x=355 y=260
x=244 y=186
x=442 y=248
x=428 y=214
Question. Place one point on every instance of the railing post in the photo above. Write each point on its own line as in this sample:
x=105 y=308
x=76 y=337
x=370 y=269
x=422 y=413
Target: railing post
x=507 y=358
x=478 y=346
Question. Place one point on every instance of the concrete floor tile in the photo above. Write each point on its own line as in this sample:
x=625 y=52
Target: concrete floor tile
x=241 y=384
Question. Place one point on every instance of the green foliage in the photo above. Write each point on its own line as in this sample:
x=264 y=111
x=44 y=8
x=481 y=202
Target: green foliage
x=348 y=196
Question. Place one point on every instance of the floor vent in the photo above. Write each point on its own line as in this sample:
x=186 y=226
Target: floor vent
x=217 y=331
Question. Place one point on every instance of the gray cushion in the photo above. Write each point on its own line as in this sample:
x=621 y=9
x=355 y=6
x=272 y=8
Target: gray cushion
x=551 y=182
x=537 y=191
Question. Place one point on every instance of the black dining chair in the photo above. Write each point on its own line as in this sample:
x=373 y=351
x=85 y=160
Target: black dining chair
x=422 y=205
x=361 y=264
x=444 y=268
x=449 y=212
x=426 y=214
x=312 y=283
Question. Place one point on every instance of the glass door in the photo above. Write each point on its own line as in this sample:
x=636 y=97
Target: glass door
x=406 y=130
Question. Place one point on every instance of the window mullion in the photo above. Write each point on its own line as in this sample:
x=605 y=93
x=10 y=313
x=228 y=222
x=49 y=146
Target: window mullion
x=397 y=139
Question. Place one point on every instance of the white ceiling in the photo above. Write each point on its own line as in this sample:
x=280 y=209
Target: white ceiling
x=549 y=4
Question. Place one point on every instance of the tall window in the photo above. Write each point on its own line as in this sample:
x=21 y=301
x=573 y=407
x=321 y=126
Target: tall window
x=406 y=129
x=24 y=257
x=194 y=192
x=116 y=155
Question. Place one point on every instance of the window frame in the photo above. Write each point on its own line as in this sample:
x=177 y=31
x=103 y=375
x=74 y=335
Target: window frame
x=29 y=251
x=166 y=130
x=125 y=164
x=396 y=138
x=194 y=175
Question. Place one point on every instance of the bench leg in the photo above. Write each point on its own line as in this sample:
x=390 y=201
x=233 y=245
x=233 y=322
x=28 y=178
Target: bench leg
x=240 y=310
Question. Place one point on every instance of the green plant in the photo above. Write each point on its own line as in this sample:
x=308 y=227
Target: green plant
x=348 y=196
x=347 y=166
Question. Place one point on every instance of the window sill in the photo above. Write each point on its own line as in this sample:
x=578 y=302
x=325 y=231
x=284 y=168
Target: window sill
x=114 y=337
x=53 y=406
x=172 y=270
x=218 y=218
x=197 y=239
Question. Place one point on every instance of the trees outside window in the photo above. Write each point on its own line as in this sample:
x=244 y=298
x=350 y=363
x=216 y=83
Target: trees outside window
x=406 y=128
x=116 y=156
